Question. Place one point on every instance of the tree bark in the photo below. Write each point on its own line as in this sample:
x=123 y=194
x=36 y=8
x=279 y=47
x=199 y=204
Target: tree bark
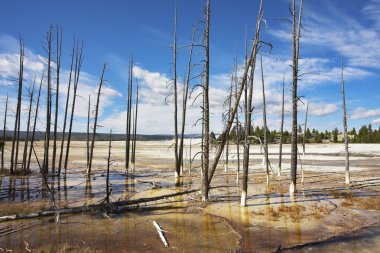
x=58 y=63
x=77 y=68
x=35 y=122
x=206 y=108
x=184 y=103
x=282 y=127
x=129 y=114
x=347 y=154
x=304 y=131
x=31 y=94
x=133 y=159
x=4 y=132
x=108 y=192
x=265 y=123
x=237 y=127
x=228 y=116
x=16 y=131
x=96 y=120
x=295 y=44
x=88 y=130
x=177 y=160
x=45 y=166
x=66 y=110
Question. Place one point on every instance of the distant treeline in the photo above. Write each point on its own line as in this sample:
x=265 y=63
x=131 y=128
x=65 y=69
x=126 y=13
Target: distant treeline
x=365 y=135
x=99 y=136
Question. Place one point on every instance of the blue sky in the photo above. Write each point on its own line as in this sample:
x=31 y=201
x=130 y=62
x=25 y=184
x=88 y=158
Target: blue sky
x=113 y=30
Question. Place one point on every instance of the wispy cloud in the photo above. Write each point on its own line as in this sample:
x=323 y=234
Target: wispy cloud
x=372 y=11
x=360 y=113
x=359 y=41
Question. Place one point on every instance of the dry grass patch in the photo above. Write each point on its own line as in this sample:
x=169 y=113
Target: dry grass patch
x=295 y=212
x=369 y=203
x=19 y=208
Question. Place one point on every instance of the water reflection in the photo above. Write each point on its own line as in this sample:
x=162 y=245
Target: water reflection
x=127 y=233
x=72 y=189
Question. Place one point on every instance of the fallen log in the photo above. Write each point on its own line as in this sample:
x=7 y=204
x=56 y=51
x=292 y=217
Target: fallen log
x=161 y=234
x=95 y=207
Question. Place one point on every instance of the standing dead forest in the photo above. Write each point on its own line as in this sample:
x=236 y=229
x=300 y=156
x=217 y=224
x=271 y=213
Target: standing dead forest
x=228 y=170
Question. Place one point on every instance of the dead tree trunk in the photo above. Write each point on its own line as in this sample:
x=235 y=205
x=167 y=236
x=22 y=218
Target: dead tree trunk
x=265 y=123
x=96 y=120
x=304 y=131
x=250 y=64
x=245 y=106
x=88 y=130
x=282 y=127
x=45 y=166
x=58 y=63
x=77 y=68
x=108 y=191
x=4 y=132
x=237 y=127
x=295 y=43
x=177 y=161
x=129 y=114
x=31 y=94
x=228 y=116
x=248 y=92
x=35 y=122
x=347 y=154
x=184 y=103
x=66 y=110
x=133 y=158
x=206 y=109
x=16 y=131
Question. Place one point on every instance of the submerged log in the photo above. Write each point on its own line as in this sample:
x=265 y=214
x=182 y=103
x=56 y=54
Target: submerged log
x=161 y=234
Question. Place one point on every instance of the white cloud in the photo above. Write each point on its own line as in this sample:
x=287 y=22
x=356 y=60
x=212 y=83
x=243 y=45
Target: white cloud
x=153 y=86
x=361 y=112
x=372 y=11
x=376 y=122
x=358 y=41
x=321 y=109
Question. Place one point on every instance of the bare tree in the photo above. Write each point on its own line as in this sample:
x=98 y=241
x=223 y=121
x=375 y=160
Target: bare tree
x=206 y=109
x=88 y=130
x=108 y=191
x=129 y=114
x=282 y=126
x=66 y=109
x=177 y=160
x=347 y=154
x=96 y=120
x=251 y=63
x=304 y=130
x=246 y=132
x=58 y=63
x=229 y=99
x=296 y=34
x=16 y=131
x=237 y=123
x=35 y=122
x=265 y=123
x=133 y=158
x=184 y=99
x=77 y=69
x=31 y=95
x=45 y=165
x=4 y=133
